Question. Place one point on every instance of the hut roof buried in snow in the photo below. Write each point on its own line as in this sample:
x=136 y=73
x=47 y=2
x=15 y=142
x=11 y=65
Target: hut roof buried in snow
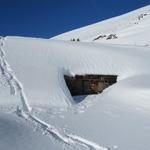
x=89 y=84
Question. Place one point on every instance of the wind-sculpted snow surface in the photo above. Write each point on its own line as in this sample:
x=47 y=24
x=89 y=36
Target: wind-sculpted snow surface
x=25 y=110
x=37 y=110
x=42 y=71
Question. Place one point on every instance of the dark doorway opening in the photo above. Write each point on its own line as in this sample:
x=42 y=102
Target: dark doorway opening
x=89 y=84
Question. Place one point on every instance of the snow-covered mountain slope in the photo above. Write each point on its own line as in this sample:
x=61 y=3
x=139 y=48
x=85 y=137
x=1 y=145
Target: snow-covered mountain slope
x=116 y=119
x=37 y=110
x=132 y=28
x=41 y=64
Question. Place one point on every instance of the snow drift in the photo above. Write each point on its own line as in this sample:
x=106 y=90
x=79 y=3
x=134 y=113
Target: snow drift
x=43 y=80
x=32 y=77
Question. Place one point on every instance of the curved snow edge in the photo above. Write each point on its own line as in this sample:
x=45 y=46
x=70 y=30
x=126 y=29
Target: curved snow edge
x=25 y=110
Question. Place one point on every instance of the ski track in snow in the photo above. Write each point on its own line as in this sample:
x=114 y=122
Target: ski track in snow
x=25 y=110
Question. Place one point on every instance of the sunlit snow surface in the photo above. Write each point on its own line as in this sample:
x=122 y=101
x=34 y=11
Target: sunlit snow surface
x=119 y=118
x=132 y=28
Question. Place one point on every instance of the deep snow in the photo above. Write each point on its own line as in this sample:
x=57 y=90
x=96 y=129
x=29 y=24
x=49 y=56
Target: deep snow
x=26 y=112
x=36 y=108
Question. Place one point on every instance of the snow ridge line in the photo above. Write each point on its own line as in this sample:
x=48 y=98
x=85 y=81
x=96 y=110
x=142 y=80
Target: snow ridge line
x=25 y=110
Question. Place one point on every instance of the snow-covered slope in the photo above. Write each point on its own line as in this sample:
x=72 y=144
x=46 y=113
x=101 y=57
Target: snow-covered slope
x=37 y=110
x=17 y=134
x=39 y=65
x=131 y=28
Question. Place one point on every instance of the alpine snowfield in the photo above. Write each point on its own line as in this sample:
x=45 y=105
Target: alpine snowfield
x=132 y=28
x=37 y=111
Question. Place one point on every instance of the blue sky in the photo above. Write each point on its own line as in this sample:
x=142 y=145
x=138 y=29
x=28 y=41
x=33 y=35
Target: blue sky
x=47 y=18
